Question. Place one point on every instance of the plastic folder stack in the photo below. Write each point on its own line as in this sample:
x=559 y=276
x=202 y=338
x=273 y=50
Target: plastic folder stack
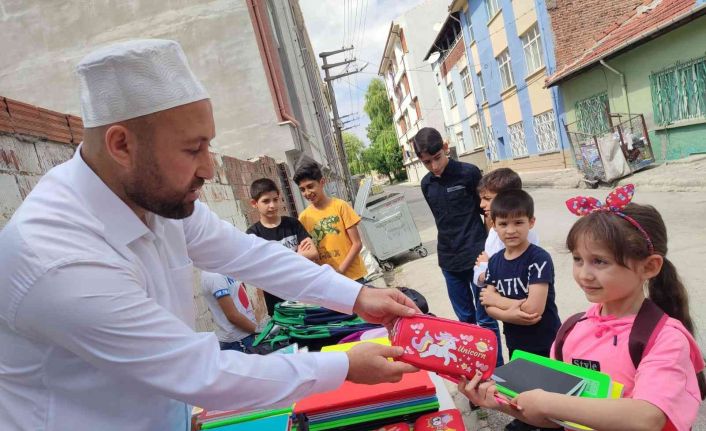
x=355 y=407
x=266 y=420
x=527 y=371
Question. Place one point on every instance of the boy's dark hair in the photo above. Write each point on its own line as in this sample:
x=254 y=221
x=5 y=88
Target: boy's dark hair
x=261 y=186
x=512 y=203
x=307 y=170
x=427 y=140
x=500 y=180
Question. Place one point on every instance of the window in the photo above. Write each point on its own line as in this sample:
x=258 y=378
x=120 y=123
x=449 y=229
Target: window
x=492 y=6
x=532 y=43
x=452 y=95
x=484 y=97
x=517 y=139
x=592 y=114
x=460 y=143
x=505 y=69
x=492 y=147
x=407 y=123
x=545 y=131
x=679 y=92
x=466 y=80
x=476 y=136
x=470 y=27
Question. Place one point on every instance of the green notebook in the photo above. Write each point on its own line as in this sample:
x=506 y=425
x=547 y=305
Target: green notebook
x=246 y=417
x=598 y=385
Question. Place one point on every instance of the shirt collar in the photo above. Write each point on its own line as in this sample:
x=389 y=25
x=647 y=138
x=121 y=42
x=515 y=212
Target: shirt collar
x=120 y=223
x=450 y=169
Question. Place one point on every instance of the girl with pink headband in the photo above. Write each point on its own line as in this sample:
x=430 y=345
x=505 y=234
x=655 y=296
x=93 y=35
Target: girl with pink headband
x=618 y=248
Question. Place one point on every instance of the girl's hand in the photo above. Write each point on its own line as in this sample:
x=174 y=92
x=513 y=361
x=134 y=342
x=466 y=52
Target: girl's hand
x=533 y=405
x=480 y=393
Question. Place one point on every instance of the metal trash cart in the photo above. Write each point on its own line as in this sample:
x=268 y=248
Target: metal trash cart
x=387 y=227
x=618 y=147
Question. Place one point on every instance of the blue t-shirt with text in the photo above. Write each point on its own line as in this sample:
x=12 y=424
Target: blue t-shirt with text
x=512 y=279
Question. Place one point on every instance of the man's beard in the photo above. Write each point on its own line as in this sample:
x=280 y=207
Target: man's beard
x=147 y=189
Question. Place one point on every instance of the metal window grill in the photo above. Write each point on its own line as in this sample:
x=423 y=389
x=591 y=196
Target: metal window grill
x=517 y=139
x=679 y=92
x=592 y=114
x=545 y=131
x=492 y=146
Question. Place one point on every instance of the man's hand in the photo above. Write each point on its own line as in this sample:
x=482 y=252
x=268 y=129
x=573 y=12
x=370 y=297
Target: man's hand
x=383 y=305
x=368 y=364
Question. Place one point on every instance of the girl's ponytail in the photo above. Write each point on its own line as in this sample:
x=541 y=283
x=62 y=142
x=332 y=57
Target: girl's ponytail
x=668 y=292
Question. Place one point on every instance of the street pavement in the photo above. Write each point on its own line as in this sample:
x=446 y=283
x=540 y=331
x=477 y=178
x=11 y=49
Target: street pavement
x=682 y=212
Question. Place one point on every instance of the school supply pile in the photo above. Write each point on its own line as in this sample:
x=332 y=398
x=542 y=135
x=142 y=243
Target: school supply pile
x=354 y=407
x=448 y=347
x=438 y=421
x=527 y=371
x=308 y=325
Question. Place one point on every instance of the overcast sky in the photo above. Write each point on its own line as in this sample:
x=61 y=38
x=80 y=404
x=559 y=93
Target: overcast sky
x=363 y=23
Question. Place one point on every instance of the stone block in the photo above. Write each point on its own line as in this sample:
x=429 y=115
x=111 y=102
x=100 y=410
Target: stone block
x=51 y=154
x=18 y=155
x=10 y=197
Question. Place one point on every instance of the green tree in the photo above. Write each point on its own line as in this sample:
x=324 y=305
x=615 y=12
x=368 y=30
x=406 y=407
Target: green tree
x=384 y=154
x=354 y=153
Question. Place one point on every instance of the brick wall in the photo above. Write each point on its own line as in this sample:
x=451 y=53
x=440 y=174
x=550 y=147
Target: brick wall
x=34 y=140
x=454 y=56
x=578 y=24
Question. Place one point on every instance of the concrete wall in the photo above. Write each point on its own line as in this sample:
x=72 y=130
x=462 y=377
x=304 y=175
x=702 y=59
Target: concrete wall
x=680 y=139
x=50 y=37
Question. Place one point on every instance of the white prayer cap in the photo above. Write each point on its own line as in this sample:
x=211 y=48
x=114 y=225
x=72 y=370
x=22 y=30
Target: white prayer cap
x=131 y=79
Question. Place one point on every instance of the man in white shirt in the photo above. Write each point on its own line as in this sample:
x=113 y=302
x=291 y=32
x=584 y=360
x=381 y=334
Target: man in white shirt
x=231 y=309
x=96 y=267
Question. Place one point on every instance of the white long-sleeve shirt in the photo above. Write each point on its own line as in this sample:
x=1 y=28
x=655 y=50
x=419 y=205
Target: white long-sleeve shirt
x=97 y=313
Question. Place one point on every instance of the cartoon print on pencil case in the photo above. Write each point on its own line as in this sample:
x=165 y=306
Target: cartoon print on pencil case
x=441 y=349
x=440 y=423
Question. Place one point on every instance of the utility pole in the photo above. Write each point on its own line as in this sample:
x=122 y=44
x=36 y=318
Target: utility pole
x=336 y=119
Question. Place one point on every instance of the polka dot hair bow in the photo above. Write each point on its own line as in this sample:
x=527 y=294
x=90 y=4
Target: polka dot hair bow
x=616 y=201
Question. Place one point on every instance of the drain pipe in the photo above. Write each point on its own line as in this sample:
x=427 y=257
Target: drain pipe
x=622 y=81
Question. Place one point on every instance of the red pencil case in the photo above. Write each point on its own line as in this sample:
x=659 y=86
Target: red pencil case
x=395 y=427
x=447 y=347
x=443 y=420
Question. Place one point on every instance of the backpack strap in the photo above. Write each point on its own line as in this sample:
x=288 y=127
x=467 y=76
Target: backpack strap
x=648 y=323
x=564 y=330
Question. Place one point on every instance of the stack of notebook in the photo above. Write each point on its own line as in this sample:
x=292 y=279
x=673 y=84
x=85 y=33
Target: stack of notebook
x=527 y=371
x=266 y=420
x=355 y=407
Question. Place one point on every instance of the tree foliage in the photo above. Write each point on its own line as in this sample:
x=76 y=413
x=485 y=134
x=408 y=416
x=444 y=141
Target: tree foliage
x=355 y=154
x=384 y=154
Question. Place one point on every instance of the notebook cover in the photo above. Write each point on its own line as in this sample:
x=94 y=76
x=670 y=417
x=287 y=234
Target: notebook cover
x=598 y=385
x=447 y=347
x=218 y=418
x=344 y=347
x=353 y=394
x=520 y=375
x=373 y=408
x=450 y=419
x=371 y=417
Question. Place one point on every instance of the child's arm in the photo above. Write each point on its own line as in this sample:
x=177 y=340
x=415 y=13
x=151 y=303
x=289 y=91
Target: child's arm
x=514 y=315
x=356 y=246
x=536 y=407
x=536 y=299
x=620 y=414
x=234 y=316
x=490 y=297
x=307 y=249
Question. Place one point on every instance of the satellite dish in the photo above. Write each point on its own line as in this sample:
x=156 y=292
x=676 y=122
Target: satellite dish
x=433 y=57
